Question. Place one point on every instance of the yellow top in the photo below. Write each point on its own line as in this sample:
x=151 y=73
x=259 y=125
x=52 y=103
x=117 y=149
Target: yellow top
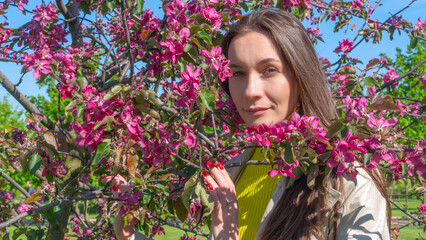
x=254 y=189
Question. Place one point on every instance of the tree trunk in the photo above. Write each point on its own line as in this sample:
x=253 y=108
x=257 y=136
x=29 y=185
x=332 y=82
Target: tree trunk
x=57 y=231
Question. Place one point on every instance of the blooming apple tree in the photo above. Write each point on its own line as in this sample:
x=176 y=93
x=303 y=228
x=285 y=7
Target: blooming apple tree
x=143 y=101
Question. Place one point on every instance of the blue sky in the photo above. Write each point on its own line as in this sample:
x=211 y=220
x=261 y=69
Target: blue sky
x=364 y=52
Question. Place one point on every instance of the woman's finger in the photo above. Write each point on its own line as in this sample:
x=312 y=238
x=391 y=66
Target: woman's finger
x=224 y=196
x=221 y=176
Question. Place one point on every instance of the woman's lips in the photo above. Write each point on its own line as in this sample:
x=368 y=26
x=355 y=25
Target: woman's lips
x=256 y=111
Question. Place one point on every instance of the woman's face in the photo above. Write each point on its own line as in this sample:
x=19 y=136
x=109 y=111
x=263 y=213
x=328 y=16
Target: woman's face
x=262 y=86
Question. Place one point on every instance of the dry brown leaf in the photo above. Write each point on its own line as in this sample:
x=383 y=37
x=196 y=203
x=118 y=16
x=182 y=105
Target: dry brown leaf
x=57 y=140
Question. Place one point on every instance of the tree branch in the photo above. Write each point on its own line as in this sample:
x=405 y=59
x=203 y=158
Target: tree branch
x=19 y=187
x=401 y=77
x=405 y=211
x=29 y=107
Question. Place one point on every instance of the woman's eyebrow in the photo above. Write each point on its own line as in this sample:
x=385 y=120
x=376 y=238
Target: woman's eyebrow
x=263 y=61
x=268 y=60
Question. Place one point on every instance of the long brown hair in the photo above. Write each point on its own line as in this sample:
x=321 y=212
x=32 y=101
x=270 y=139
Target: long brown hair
x=301 y=211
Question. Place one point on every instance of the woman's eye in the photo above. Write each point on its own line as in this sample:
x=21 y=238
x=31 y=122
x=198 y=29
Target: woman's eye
x=271 y=70
x=237 y=74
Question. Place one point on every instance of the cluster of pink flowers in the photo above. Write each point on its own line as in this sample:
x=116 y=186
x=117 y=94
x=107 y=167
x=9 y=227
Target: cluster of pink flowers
x=186 y=89
x=159 y=149
x=420 y=27
x=344 y=152
x=355 y=108
x=216 y=59
x=82 y=232
x=19 y=136
x=194 y=207
x=96 y=110
x=288 y=4
x=23 y=207
x=5 y=34
x=282 y=132
x=51 y=166
x=185 y=237
x=5 y=196
x=345 y=45
x=390 y=75
x=416 y=160
x=157 y=229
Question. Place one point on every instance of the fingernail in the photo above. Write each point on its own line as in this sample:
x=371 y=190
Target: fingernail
x=210 y=186
x=205 y=173
x=220 y=165
x=103 y=178
x=115 y=188
x=210 y=164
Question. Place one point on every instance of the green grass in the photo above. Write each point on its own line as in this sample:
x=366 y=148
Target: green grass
x=412 y=206
x=408 y=233
x=173 y=233
x=412 y=232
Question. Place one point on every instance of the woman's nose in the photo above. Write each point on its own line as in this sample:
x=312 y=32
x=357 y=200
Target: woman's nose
x=253 y=86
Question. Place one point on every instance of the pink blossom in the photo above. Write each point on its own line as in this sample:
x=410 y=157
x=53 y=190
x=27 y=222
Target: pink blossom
x=156 y=230
x=190 y=140
x=344 y=45
x=424 y=81
x=380 y=123
x=356 y=4
x=389 y=76
x=417 y=158
x=420 y=27
x=194 y=207
x=45 y=13
x=217 y=60
x=385 y=155
x=284 y=169
x=422 y=207
x=214 y=16
x=340 y=155
x=130 y=198
x=355 y=108
x=23 y=207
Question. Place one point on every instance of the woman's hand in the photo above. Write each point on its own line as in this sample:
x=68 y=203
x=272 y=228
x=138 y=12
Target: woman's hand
x=120 y=185
x=225 y=212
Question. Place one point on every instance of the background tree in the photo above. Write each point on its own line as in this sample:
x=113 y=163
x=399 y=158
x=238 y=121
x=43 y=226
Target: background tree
x=139 y=96
x=10 y=116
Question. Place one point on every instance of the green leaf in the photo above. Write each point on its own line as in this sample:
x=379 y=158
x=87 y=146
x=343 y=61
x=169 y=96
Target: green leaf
x=367 y=158
x=187 y=47
x=139 y=7
x=207 y=97
x=369 y=81
x=85 y=7
x=334 y=128
x=49 y=215
x=100 y=151
x=80 y=110
x=296 y=12
x=114 y=91
x=181 y=211
x=413 y=42
x=391 y=31
x=35 y=164
x=110 y=4
x=288 y=154
x=206 y=37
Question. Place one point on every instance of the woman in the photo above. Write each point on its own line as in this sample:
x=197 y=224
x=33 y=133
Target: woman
x=276 y=72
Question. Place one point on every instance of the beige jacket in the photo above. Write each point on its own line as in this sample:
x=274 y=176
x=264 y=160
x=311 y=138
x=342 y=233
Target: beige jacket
x=361 y=216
